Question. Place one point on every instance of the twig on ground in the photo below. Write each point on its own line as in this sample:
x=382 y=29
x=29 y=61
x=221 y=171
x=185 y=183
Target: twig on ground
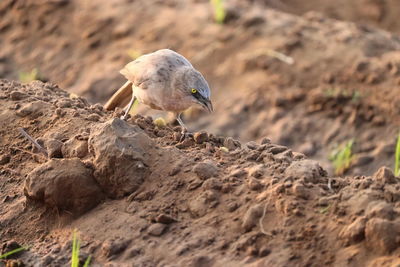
x=282 y=57
x=37 y=145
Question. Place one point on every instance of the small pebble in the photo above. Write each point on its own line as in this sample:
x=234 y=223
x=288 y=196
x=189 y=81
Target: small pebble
x=157 y=229
x=200 y=137
x=4 y=159
x=165 y=219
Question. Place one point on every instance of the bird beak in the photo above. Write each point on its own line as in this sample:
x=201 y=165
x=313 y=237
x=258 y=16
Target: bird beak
x=207 y=105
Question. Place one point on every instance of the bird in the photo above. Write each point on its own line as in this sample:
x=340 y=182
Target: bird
x=163 y=80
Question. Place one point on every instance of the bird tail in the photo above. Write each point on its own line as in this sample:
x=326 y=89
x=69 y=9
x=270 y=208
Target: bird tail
x=120 y=98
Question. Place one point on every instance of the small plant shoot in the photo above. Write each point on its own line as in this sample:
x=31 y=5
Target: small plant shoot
x=342 y=157
x=219 y=11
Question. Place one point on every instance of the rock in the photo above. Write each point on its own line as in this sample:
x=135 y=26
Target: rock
x=277 y=149
x=299 y=190
x=252 y=217
x=204 y=201
x=93 y=117
x=34 y=109
x=391 y=194
x=232 y=206
x=188 y=142
x=265 y=141
x=64 y=183
x=385 y=175
x=256 y=171
x=131 y=208
x=381 y=235
x=355 y=232
x=254 y=184
x=47 y=260
x=64 y=103
x=264 y=251
x=253 y=20
x=252 y=145
x=122 y=156
x=75 y=147
x=4 y=159
x=239 y=173
x=212 y=183
x=380 y=209
x=114 y=247
x=53 y=148
x=206 y=169
x=157 y=229
x=194 y=184
x=200 y=137
x=231 y=143
x=17 y=95
x=310 y=170
x=165 y=219
x=201 y=261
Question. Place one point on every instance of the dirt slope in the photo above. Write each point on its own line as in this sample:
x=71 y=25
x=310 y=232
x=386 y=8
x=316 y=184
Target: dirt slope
x=343 y=84
x=379 y=13
x=140 y=198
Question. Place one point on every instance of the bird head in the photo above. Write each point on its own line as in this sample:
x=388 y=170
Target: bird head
x=193 y=84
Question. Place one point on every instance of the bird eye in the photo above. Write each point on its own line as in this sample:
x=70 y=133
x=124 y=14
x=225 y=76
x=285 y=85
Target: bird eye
x=194 y=91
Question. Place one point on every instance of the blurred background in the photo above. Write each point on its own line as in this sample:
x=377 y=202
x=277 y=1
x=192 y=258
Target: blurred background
x=319 y=76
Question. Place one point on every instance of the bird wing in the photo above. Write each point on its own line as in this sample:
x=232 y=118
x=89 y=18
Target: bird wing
x=154 y=67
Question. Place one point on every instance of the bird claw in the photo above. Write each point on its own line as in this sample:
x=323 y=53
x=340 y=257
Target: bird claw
x=184 y=135
x=125 y=117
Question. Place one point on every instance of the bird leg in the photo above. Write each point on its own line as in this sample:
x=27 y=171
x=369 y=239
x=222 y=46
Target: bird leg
x=184 y=132
x=129 y=107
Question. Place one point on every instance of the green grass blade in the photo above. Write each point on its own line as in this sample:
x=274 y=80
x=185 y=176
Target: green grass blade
x=76 y=245
x=27 y=77
x=342 y=157
x=75 y=251
x=219 y=11
x=397 y=157
x=5 y=255
x=86 y=264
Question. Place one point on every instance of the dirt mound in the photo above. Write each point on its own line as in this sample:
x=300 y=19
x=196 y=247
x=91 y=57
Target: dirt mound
x=195 y=204
x=308 y=82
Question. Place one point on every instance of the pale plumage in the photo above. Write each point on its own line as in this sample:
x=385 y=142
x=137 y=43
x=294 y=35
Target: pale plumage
x=163 y=80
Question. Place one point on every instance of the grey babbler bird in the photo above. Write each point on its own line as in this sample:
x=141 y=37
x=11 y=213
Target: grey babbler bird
x=163 y=80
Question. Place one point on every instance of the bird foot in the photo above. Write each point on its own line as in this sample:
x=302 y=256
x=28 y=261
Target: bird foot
x=124 y=117
x=184 y=135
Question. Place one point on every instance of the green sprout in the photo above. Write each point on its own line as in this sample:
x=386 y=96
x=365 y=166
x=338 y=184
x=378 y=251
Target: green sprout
x=14 y=251
x=342 y=157
x=397 y=158
x=219 y=11
x=75 y=252
x=26 y=77
x=324 y=209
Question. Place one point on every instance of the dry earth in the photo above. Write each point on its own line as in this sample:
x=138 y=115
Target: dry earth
x=343 y=84
x=195 y=204
x=140 y=198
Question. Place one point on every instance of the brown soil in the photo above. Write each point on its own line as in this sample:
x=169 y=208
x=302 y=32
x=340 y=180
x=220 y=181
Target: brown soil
x=140 y=198
x=382 y=13
x=160 y=202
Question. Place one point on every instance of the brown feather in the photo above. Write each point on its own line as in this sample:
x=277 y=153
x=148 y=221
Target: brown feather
x=121 y=98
